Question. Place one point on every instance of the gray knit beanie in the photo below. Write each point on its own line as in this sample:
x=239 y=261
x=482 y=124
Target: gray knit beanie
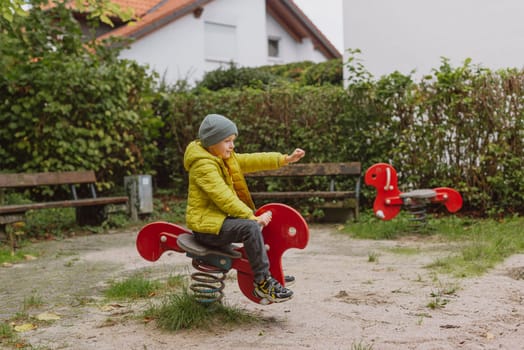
x=215 y=128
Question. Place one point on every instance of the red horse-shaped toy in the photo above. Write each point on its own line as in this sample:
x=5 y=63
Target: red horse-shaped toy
x=287 y=229
x=389 y=199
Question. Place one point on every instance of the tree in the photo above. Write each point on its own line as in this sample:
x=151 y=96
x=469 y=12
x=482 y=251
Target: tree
x=67 y=104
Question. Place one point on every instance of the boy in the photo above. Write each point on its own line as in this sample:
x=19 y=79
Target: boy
x=220 y=210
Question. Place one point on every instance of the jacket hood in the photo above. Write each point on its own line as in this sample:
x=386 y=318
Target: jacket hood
x=195 y=152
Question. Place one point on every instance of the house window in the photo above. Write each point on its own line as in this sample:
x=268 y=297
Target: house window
x=272 y=47
x=221 y=42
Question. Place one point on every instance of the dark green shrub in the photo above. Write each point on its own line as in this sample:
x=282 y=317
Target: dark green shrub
x=70 y=105
x=460 y=127
x=329 y=72
x=237 y=78
x=291 y=71
x=302 y=73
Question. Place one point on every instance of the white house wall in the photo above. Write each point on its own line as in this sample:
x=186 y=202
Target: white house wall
x=248 y=18
x=178 y=50
x=408 y=35
x=289 y=49
x=172 y=55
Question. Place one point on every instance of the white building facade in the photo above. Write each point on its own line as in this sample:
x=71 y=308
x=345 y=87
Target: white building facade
x=248 y=33
x=407 y=35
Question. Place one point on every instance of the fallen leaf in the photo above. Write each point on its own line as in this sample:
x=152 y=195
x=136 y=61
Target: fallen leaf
x=110 y=307
x=47 y=316
x=106 y=308
x=25 y=327
x=490 y=336
x=29 y=257
x=115 y=305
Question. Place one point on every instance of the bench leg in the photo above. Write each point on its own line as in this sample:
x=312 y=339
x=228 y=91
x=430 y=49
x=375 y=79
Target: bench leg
x=11 y=236
x=7 y=236
x=91 y=216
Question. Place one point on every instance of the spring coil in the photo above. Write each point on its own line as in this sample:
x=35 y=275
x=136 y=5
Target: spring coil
x=209 y=282
x=418 y=211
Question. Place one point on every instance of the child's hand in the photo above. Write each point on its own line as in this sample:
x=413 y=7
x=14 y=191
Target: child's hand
x=264 y=219
x=295 y=156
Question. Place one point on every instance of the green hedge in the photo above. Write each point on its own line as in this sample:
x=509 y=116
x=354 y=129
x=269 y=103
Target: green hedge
x=460 y=127
x=465 y=129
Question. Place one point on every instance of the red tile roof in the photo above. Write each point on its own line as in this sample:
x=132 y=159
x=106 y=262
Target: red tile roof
x=156 y=14
x=139 y=6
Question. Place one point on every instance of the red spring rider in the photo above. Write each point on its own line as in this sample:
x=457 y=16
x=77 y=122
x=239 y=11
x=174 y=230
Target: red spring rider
x=287 y=229
x=389 y=199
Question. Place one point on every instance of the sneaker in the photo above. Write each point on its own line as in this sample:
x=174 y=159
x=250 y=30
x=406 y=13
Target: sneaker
x=271 y=290
x=290 y=280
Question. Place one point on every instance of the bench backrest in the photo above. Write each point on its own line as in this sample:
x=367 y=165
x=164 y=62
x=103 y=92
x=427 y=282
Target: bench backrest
x=312 y=169
x=48 y=178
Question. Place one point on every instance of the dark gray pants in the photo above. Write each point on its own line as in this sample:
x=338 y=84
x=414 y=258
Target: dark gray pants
x=243 y=231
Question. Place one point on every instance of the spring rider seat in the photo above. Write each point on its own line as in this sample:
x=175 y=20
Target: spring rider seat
x=390 y=200
x=287 y=229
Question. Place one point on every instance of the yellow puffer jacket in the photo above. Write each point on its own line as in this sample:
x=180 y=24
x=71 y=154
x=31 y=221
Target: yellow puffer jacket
x=217 y=187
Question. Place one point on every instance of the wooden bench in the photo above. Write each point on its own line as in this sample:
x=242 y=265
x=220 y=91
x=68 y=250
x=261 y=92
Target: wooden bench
x=342 y=202
x=89 y=211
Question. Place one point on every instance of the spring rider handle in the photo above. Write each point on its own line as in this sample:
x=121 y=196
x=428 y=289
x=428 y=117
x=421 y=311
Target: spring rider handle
x=287 y=229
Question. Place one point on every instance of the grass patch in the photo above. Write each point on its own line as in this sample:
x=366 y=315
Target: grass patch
x=53 y=222
x=178 y=309
x=372 y=257
x=438 y=303
x=484 y=243
x=182 y=311
x=361 y=346
x=135 y=287
x=33 y=301
x=7 y=257
x=176 y=282
x=11 y=330
x=139 y=286
x=370 y=227
x=8 y=335
x=480 y=243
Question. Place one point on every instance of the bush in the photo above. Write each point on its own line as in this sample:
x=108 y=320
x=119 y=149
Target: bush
x=458 y=127
x=236 y=78
x=69 y=105
x=302 y=73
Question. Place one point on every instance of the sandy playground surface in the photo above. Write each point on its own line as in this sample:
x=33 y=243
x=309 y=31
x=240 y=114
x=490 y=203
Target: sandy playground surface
x=342 y=299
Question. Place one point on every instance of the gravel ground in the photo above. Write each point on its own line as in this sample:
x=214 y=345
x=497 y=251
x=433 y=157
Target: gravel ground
x=342 y=300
